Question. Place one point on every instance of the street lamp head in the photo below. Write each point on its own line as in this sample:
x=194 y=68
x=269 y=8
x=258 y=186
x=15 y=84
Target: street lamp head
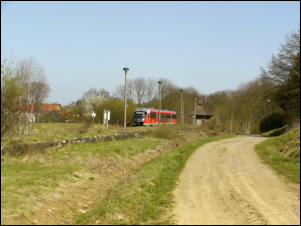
x=269 y=100
x=126 y=69
x=181 y=90
x=160 y=82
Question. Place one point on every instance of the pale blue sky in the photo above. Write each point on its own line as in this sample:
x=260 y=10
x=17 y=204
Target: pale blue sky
x=211 y=46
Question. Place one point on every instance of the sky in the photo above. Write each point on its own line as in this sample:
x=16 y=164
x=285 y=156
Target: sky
x=212 y=46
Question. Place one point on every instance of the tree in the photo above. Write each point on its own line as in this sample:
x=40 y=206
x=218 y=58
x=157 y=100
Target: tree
x=94 y=92
x=139 y=89
x=34 y=81
x=284 y=73
x=288 y=92
x=88 y=103
x=10 y=92
x=150 y=92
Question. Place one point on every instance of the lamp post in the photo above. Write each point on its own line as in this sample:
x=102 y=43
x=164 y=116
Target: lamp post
x=125 y=69
x=269 y=107
x=181 y=105
x=194 y=109
x=160 y=82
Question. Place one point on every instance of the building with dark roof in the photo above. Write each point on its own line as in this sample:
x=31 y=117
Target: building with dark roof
x=203 y=114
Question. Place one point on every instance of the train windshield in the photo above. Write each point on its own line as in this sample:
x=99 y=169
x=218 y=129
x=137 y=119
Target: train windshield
x=140 y=114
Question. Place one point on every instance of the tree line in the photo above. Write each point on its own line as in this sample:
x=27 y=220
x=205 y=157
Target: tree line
x=241 y=111
x=270 y=101
x=141 y=92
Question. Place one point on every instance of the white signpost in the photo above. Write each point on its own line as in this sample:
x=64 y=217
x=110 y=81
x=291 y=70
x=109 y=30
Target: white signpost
x=106 y=118
x=93 y=115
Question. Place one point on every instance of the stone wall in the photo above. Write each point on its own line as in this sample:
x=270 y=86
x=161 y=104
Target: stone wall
x=21 y=149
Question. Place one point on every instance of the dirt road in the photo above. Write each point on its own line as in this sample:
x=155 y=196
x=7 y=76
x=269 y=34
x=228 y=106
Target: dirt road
x=225 y=183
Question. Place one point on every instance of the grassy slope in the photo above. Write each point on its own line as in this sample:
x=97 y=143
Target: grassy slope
x=25 y=179
x=283 y=154
x=62 y=131
x=144 y=198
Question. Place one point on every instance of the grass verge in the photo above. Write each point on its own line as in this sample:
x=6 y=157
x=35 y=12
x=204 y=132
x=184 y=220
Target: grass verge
x=62 y=131
x=283 y=154
x=28 y=180
x=145 y=197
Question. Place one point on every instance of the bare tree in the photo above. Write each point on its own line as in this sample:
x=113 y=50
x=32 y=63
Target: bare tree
x=36 y=88
x=119 y=92
x=139 y=90
x=150 y=89
x=167 y=87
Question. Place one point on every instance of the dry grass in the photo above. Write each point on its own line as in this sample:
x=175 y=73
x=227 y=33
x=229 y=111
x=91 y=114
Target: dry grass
x=62 y=180
x=27 y=179
x=62 y=131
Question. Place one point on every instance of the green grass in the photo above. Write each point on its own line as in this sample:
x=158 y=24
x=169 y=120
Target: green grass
x=145 y=197
x=20 y=181
x=116 y=149
x=62 y=131
x=25 y=179
x=283 y=154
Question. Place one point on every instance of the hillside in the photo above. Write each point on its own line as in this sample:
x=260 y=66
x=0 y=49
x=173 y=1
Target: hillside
x=282 y=153
x=288 y=144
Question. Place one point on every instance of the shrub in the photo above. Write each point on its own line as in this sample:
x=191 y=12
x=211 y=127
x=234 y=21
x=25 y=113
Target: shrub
x=165 y=132
x=274 y=121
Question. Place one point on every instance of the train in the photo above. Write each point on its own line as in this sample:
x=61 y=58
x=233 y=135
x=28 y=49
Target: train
x=150 y=117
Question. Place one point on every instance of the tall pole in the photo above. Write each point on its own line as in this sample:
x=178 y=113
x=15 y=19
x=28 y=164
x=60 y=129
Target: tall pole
x=183 y=113
x=194 y=109
x=125 y=69
x=160 y=82
x=181 y=106
x=269 y=107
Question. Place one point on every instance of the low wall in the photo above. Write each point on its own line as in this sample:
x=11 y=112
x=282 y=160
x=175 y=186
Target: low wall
x=21 y=149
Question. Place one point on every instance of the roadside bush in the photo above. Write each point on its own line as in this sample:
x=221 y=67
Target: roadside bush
x=216 y=125
x=165 y=132
x=274 y=121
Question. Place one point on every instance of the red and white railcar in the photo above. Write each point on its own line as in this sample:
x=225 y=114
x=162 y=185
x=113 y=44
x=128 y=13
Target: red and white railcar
x=150 y=116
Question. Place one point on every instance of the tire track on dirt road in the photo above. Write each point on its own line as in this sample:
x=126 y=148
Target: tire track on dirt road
x=225 y=183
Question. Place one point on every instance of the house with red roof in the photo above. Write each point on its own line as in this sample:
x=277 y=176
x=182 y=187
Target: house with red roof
x=48 y=113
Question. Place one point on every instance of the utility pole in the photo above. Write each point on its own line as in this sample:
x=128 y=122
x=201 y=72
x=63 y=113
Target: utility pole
x=160 y=82
x=181 y=106
x=125 y=69
x=194 y=109
x=269 y=107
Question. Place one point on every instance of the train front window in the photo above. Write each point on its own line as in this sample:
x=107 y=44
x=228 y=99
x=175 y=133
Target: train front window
x=139 y=114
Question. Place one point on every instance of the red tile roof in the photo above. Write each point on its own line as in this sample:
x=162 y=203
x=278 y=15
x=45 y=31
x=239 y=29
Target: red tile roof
x=43 y=107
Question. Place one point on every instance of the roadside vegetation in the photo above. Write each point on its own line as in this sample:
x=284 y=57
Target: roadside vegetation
x=62 y=131
x=30 y=180
x=27 y=179
x=145 y=198
x=282 y=153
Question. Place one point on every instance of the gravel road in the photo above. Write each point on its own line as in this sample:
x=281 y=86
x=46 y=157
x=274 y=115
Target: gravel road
x=225 y=183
